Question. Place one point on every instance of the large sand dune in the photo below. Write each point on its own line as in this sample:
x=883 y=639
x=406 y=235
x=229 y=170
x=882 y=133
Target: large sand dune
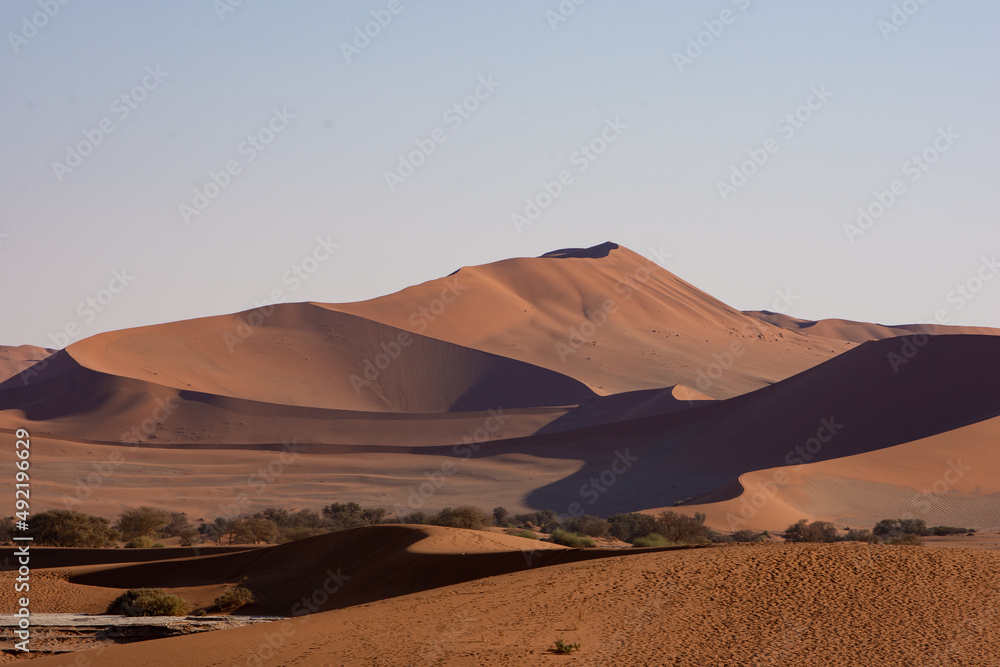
x=584 y=380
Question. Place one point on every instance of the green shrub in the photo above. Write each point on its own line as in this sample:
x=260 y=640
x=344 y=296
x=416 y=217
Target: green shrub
x=627 y=527
x=907 y=540
x=587 y=525
x=747 y=536
x=563 y=648
x=863 y=535
x=148 y=602
x=899 y=527
x=568 y=539
x=465 y=516
x=234 y=598
x=66 y=528
x=143 y=521
x=500 y=516
x=522 y=533
x=817 y=531
x=545 y=521
x=652 y=540
x=140 y=542
x=948 y=530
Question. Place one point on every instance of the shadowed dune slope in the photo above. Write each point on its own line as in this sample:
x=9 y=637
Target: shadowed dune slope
x=948 y=479
x=13 y=360
x=314 y=357
x=363 y=564
x=850 y=405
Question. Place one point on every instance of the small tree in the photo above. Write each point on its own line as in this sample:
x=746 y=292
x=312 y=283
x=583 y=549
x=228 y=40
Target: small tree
x=817 y=531
x=500 y=515
x=67 y=528
x=465 y=516
x=234 y=598
x=142 y=521
x=148 y=602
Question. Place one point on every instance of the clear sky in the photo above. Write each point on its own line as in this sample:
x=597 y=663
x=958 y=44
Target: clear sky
x=737 y=139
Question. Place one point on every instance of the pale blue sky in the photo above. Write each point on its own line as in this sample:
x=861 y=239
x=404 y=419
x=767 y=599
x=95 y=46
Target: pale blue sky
x=656 y=185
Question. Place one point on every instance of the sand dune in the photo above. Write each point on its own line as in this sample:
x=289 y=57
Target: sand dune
x=859 y=332
x=495 y=373
x=605 y=316
x=13 y=360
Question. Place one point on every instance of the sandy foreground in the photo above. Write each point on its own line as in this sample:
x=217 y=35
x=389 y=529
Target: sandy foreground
x=770 y=604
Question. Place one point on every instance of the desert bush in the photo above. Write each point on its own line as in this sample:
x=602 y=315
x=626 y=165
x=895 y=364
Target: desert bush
x=652 y=540
x=178 y=522
x=148 y=602
x=863 y=535
x=899 y=527
x=817 y=531
x=522 y=533
x=465 y=516
x=546 y=521
x=627 y=527
x=681 y=528
x=234 y=598
x=6 y=529
x=948 y=530
x=342 y=516
x=67 y=528
x=563 y=648
x=416 y=518
x=142 y=521
x=747 y=536
x=719 y=538
x=568 y=539
x=190 y=537
x=143 y=542
x=907 y=540
x=587 y=525
x=500 y=516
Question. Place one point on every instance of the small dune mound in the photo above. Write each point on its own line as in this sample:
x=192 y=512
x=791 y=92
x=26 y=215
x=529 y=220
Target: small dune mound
x=347 y=567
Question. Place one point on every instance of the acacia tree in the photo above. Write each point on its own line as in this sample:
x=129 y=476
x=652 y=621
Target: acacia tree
x=144 y=521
